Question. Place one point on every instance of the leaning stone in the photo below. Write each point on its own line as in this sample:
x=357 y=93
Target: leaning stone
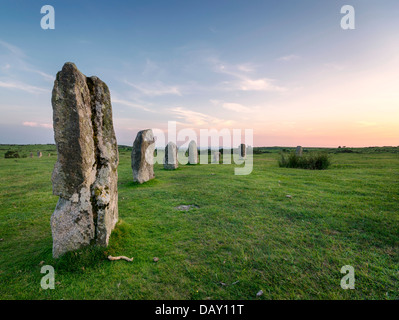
x=170 y=161
x=192 y=153
x=85 y=175
x=143 y=156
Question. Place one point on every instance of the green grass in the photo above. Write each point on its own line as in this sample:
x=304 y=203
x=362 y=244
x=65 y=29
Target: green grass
x=244 y=230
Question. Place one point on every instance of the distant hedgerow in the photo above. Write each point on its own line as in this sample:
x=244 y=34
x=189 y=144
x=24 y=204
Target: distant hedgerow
x=11 y=154
x=311 y=160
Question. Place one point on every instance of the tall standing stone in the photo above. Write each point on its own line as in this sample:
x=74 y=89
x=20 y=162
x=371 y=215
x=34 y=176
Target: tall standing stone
x=299 y=151
x=85 y=175
x=39 y=154
x=243 y=150
x=143 y=156
x=170 y=161
x=31 y=155
x=192 y=153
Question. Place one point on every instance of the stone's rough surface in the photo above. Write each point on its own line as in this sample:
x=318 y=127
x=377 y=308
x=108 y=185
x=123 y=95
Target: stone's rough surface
x=39 y=154
x=143 y=156
x=216 y=157
x=298 y=151
x=192 y=153
x=170 y=162
x=85 y=175
x=31 y=155
x=243 y=150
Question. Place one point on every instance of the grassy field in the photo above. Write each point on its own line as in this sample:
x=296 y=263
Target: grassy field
x=246 y=235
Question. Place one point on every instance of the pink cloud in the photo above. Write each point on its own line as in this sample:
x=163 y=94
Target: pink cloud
x=36 y=124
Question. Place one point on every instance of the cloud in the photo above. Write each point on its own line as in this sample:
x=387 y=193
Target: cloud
x=287 y=58
x=246 y=67
x=13 y=49
x=234 y=106
x=23 y=87
x=19 y=61
x=263 y=84
x=43 y=74
x=36 y=124
x=155 y=89
x=131 y=104
x=243 y=82
x=197 y=118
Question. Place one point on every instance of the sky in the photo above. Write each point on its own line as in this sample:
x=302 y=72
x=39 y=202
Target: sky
x=283 y=68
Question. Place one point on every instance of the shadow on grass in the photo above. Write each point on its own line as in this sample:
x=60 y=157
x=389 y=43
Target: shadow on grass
x=149 y=184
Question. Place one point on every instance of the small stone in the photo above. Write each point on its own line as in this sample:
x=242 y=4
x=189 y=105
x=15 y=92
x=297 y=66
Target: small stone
x=289 y=196
x=260 y=292
x=156 y=259
x=41 y=263
x=186 y=207
x=216 y=157
x=192 y=153
x=170 y=161
x=299 y=151
x=243 y=151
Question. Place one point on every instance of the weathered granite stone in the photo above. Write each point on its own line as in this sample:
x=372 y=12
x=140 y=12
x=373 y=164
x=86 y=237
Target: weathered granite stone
x=143 y=156
x=39 y=154
x=192 y=153
x=85 y=174
x=243 y=150
x=31 y=155
x=170 y=162
x=299 y=151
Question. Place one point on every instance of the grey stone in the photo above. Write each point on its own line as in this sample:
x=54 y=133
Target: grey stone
x=31 y=155
x=186 y=207
x=299 y=151
x=39 y=154
x=216 y=157
x=170 y=161
x=85 y=175
x=143 y=156
x=192 y=153
x=243 y=150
